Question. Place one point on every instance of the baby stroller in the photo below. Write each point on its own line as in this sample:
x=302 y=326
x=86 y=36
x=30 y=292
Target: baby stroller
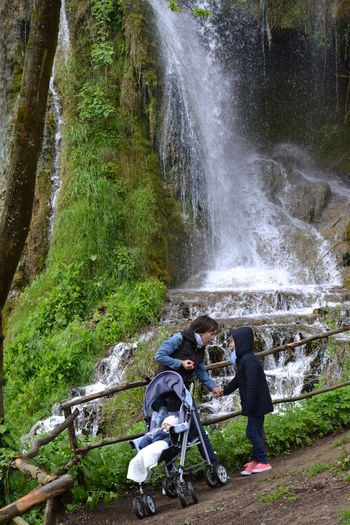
x=166 y=394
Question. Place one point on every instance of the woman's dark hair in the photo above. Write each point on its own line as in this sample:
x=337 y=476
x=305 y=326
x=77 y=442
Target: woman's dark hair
x=204 y=323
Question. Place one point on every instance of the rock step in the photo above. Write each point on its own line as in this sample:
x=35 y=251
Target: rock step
x=257 y=306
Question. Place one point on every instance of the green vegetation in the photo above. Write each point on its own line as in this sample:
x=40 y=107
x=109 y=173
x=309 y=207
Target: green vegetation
x=113 y=250
x=281 y=492
x=344 y=517
x=318 y=469
x=104 y=469
x=109 y=252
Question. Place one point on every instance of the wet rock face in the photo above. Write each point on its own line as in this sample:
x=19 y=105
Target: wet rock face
x=285 y=186
x=334 y=227
x=307 y=200
x=306 y=193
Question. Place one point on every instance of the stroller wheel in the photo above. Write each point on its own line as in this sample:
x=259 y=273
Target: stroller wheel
x=221 y=474
x=210 y=476
x=181 y=495
x=138 y=507
x=148 y=504
x=169 y=488
x=192 y=492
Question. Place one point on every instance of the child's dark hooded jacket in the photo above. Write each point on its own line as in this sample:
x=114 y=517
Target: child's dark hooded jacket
x=250 y=377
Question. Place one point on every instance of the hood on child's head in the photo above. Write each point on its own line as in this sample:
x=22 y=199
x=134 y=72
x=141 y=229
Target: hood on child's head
x=244 y=340
x=171 y=420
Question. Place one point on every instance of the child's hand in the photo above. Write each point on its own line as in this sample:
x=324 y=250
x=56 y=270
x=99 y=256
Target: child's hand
x=218 y=391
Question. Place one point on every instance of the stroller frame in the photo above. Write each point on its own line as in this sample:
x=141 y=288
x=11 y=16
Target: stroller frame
x=174 y=485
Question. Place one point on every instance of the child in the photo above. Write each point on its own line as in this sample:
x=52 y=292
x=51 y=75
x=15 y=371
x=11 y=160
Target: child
x=255 y=396
x=159 y=433
x=151 y=447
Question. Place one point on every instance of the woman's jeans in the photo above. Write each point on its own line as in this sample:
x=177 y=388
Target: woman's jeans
x=207 y=443
x=255 y=434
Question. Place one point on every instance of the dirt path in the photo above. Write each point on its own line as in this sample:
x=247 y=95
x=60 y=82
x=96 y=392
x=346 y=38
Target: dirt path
x=290 y=494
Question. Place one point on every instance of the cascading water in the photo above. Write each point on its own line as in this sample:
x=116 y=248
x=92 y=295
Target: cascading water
x=251 y=241
x=110 y=372
x=62 y=46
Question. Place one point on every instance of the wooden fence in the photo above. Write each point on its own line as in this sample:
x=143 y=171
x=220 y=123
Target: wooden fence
x=53 y=486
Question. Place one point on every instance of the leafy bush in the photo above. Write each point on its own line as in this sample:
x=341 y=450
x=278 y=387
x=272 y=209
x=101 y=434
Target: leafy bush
x=65 y=302
x=94 y=103
x=102 y=53
x=41 y=365
x=130 y=307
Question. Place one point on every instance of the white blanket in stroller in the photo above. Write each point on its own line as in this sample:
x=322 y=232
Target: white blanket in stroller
x=141 y=465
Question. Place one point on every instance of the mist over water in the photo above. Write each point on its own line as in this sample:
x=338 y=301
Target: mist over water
x=248 y=239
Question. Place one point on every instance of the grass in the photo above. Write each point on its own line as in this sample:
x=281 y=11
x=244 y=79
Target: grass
x=344 y=517
x=281 y=492
x=343 y=441
x=318 y=469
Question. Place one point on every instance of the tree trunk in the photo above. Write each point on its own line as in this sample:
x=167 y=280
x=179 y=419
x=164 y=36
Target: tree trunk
x=27 y=140
x=54 y=511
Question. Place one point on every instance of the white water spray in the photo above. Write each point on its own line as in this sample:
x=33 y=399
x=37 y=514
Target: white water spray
x=252 y=241
x=62 y=46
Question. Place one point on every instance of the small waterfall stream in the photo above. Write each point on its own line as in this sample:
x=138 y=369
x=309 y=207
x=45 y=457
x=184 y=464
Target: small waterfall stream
x=62 y=47
x=109 y=372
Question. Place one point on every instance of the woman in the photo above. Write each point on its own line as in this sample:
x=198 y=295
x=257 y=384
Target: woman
x=184 y=353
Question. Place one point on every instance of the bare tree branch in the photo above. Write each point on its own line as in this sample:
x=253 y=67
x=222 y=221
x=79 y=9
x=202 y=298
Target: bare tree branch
x=49 y=437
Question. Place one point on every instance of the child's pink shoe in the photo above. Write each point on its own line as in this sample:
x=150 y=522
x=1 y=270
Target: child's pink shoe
x=249 y=468
x=261 y=467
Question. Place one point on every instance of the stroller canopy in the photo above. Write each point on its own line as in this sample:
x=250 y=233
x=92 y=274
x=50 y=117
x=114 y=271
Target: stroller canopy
x=168 y=381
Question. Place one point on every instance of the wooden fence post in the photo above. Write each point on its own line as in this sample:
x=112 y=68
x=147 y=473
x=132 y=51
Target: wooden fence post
x=73 y=444
x=54 y=511
x=71 y=432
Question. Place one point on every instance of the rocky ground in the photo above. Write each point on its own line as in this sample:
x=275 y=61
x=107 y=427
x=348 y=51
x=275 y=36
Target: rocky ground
x=308 y=487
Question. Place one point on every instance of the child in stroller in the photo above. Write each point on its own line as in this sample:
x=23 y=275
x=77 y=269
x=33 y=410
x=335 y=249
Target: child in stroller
x=150 y=448
x=165 y=393
x=159 y=433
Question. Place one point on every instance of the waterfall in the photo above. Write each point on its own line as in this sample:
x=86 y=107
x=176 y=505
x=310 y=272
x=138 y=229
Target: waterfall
x=109 y=372
x=251 y=238
x=62 y=47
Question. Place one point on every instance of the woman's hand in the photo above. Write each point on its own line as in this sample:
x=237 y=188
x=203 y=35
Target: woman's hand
x=187 y=364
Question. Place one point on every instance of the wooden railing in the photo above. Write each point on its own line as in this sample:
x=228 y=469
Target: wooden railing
x=56 y=484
